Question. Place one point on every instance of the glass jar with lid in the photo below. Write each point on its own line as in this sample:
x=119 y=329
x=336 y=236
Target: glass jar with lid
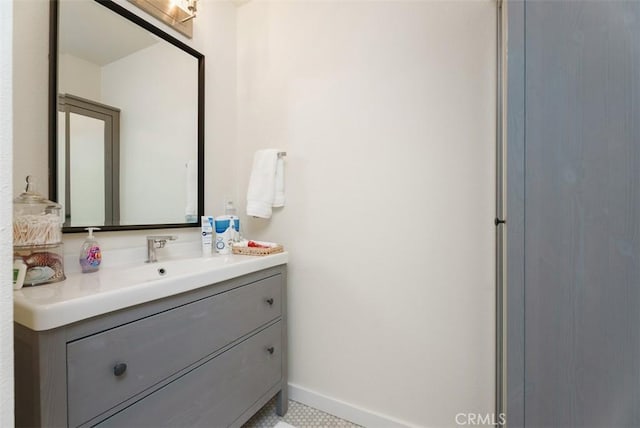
x=37 y=236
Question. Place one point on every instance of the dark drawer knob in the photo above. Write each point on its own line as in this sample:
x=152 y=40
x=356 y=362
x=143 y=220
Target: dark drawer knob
x=270 y=301
x=270 y=349
x=119 y=369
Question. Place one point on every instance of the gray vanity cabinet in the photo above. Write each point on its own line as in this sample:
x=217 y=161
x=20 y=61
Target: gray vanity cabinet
x=210 y=357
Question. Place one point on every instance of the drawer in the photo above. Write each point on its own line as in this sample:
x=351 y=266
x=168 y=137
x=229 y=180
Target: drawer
x=215 y=393
x=158 y=346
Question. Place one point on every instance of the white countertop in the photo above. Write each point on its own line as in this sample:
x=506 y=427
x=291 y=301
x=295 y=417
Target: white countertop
x=83 y=296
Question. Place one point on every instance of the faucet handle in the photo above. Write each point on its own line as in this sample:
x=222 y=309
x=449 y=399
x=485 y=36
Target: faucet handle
x=157 y=241
x=161 y=238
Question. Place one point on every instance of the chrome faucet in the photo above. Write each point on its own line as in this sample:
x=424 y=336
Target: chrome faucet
x=154 y=242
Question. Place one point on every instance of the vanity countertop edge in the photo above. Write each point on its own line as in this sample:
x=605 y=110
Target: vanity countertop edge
x=83 y=296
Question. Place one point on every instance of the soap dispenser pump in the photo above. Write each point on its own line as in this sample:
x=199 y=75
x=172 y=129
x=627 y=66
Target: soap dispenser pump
x=90 y=253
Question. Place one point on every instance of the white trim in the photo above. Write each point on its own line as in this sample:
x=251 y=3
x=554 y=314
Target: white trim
x=341 y=409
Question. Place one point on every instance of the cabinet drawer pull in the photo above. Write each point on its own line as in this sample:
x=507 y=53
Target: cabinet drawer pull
x=269 y=301
x=119 y=369
x=270 y=350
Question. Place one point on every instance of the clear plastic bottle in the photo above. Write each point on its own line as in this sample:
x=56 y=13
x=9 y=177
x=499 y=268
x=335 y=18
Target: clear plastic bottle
x=90 y=253
x=232 y=214
x=230 y=209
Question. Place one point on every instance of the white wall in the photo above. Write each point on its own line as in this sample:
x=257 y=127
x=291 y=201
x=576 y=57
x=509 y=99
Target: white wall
x=6 y=250
x=79 y=77
x=387 y=113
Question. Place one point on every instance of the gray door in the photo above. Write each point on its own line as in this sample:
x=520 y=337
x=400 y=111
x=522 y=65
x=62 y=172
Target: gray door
x=89 y=156
x=576 y=234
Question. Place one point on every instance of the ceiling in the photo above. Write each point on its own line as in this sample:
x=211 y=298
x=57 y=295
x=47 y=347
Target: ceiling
x=94 y=33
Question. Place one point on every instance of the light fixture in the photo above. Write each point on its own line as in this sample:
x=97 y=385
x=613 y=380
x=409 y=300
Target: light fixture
x=178 y=14
x=189 y=6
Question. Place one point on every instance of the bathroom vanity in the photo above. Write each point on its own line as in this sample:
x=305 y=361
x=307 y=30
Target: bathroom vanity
x=205 y=346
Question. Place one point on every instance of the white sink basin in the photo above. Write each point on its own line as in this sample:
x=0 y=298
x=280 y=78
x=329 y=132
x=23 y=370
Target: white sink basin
x=166 y=269
x=83 y=296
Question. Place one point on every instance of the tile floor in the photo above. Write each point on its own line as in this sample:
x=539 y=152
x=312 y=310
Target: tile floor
x=299 y=415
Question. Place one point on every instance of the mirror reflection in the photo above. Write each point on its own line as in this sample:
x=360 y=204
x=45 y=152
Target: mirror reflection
x=128 y=135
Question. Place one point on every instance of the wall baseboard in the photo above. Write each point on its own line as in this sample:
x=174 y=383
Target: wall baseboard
x=343 y=410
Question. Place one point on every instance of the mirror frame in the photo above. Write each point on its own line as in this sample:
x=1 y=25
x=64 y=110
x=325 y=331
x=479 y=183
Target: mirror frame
x=53 y=111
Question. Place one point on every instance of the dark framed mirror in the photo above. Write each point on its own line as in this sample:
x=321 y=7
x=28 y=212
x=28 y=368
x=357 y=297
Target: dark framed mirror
x=126 y=120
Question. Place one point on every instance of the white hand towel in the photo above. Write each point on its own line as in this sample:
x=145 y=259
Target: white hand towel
x=262 y=184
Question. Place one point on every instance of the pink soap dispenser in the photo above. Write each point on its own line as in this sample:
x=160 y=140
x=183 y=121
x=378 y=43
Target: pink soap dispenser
x=90 y=253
